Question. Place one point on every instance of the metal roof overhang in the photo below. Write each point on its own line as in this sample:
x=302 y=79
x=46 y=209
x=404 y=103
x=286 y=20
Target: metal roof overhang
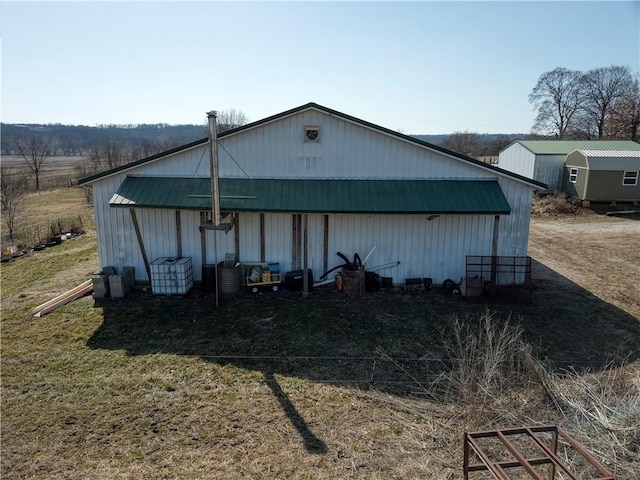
x=482 y=197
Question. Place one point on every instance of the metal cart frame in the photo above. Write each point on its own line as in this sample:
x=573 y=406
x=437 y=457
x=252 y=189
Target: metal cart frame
x=267 y=277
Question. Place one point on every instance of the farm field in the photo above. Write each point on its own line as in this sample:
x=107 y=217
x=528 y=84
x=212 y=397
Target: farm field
x=274 y=386
x=57 y=171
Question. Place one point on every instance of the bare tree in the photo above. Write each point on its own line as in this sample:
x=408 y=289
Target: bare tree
x=499 y=143
x=110 y=154
x=623 y=120
x=557 y=97
x=229 y=119
x=34 y=150
x=13 y=188
x=466 y=143
x=604 y=89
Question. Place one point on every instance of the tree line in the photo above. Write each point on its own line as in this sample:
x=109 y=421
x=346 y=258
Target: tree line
x=603 y=103
x=138 y=139
x=81 y=140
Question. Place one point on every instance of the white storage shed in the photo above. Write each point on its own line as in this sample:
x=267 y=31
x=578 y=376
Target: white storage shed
x=359 y=185
x=543 y=160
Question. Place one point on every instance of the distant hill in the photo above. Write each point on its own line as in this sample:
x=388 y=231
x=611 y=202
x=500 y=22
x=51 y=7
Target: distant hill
x=477 y=145
x=81 y=140
x=70 y=140
x=486 y=138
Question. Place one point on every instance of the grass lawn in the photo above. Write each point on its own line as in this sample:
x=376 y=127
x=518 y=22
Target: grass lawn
x=268 y=386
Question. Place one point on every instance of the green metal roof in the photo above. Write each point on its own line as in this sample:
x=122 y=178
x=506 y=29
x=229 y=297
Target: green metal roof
x=564 y=147
x=315 y=196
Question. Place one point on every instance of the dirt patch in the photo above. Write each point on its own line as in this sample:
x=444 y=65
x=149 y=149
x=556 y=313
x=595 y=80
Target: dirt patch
x=599 y=253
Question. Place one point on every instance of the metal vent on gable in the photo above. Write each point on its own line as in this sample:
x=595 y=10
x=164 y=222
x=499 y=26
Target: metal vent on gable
x=312 y=134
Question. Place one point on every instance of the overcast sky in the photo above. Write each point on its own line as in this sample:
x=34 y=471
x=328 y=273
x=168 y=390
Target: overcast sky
x=417 y=67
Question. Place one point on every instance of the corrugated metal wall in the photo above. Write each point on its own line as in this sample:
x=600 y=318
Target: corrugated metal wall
x=434 y=248
x=517 y=159
x=345 y=150
x=548 y=169
x=543 y=168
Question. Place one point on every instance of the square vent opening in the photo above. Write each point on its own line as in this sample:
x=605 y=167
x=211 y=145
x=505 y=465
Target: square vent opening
x=312 y=134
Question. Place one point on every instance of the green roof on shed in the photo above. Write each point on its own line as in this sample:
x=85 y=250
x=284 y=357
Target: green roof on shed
x=316 y=196
x=564 y=147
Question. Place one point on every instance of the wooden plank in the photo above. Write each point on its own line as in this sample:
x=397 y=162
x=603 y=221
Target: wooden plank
x=262 y=242
x=178 y=234
x=134 y=219
x=305 y=256
x=296 y=240
x=236 y=235
x=325 y=245
x=73 y=294
x=203 y=238
x=494 y=250
x=54 y=300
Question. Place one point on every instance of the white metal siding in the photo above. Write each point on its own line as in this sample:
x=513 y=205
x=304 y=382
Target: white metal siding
x=517 y=159
x=514 y=228
x=118 y=244
x=193 y=162
x=346 y=150
x=435 y=249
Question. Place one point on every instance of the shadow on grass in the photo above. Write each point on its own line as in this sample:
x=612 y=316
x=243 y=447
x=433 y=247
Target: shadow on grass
x=627 y=210
x=392 y=341
x=574 y=328
x=312 y=443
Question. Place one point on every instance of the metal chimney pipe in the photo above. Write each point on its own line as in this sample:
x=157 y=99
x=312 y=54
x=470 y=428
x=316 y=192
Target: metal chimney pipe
x=213 y=147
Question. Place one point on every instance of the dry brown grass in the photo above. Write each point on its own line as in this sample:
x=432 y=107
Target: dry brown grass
x=133 y=388
x=603 y=410
x=48 y=213
x=496 y=382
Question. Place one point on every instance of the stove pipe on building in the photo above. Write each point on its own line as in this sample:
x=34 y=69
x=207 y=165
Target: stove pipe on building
x=213 y=147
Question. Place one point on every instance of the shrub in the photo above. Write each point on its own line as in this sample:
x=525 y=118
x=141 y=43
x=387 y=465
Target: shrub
x=489 y=360
x=555 y=204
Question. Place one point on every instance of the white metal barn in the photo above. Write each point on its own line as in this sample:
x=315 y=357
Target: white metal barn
x=358 y=184
x=543 y=160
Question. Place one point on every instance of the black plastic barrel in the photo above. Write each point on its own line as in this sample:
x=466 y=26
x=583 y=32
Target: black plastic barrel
x=208 y=278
